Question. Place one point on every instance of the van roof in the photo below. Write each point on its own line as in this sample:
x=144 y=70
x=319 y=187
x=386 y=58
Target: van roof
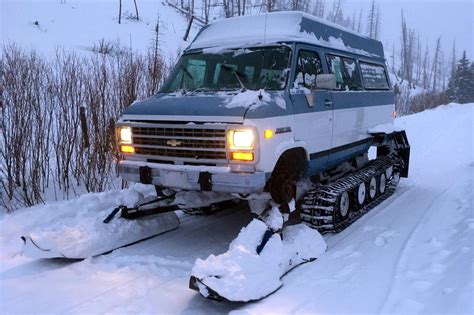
x=284 y=26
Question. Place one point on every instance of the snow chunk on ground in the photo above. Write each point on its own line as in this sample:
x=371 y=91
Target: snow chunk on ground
x=273 y=218
x=241 y=274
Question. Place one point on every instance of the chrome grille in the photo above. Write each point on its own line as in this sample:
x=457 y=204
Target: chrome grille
x=193 y=143
x=179 y=132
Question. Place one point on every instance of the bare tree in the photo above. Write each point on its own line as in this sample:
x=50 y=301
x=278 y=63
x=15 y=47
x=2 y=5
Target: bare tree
x=120 y=12
x=377 y=23
x=426 y=62
x=319 y=8
x=359 y=25
x=336 y=11
x=407 y=42
x=371 y=21
x=136 y=9
x=270 y=5
x=436 y=64
x=453 y=60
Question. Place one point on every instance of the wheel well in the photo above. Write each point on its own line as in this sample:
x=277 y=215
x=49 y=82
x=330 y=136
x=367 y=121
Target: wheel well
x=289 y=167
x=295 y=158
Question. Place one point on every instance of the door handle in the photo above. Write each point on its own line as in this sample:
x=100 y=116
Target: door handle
x=327 y=103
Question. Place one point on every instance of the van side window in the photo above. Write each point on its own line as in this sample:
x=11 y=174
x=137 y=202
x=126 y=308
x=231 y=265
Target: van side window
x=373 y=76
x=346 y=72
x=307 y=68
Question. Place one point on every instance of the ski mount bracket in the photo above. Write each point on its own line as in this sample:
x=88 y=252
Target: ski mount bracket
x=160 y=205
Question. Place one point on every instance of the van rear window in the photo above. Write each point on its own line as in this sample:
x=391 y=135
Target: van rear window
x=373 y=76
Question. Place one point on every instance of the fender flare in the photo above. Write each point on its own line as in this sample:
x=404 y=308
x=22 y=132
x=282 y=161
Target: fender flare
x=286 y=147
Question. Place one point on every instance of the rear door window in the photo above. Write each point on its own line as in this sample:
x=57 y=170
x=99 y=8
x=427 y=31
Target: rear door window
x=307 y=68
x=374 y=76
x=346 y=72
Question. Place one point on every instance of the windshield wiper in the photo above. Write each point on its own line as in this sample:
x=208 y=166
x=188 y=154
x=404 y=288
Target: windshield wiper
x=237 y=75
x=197 y=90
x=187 y=72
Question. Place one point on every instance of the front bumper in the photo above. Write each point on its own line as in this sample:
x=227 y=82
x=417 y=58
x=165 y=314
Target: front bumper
x=208 y=178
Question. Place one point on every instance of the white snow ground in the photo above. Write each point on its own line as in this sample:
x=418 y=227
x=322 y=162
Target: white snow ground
x=411 y=254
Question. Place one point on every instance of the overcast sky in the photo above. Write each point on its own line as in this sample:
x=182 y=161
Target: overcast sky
x=452 y=19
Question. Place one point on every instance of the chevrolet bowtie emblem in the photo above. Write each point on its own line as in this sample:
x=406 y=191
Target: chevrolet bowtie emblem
x=174 y=143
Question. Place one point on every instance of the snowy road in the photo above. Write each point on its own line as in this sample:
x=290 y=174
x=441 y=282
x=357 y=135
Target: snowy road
x=411 y=254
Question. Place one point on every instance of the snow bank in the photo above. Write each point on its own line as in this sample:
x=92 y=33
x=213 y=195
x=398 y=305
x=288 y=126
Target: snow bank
x=241 y=274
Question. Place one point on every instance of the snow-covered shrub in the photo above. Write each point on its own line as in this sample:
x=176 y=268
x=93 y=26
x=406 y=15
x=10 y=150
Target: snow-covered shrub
x=46 y=153
x=27 y=123
x=428 y=100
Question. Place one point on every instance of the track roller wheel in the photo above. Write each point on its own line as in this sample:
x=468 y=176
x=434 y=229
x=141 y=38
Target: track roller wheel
x=343 y=205
x=372 y=188
x=360 y=193
x=382 y=183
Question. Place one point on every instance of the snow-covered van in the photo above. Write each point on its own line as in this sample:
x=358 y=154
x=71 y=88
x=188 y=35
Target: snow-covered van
x=258 y=99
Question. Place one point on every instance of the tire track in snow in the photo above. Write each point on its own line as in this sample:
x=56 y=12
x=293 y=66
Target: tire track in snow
x=401 y=257
x=203 y=224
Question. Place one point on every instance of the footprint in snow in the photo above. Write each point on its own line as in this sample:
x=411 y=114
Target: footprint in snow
x=345 y=272
x=382 y=239
x=437 y=268
x=346 y=252
x=434 y=242
x=369 y=228
x=422 y=285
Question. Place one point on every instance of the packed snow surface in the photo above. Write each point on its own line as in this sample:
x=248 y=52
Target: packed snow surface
x=411 y=254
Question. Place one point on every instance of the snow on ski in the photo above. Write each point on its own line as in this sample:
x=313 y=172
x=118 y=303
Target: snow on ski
x=74 y=242
x=242 y=274
x=75 y=229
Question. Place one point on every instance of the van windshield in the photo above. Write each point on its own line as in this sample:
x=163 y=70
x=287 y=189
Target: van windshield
x=249 y=68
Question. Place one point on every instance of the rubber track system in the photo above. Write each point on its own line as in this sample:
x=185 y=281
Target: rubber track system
x=318 y=206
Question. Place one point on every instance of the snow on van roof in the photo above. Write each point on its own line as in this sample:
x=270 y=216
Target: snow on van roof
x=292 y=26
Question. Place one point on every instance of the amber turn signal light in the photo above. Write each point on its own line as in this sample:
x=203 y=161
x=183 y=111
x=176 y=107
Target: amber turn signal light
x=242 y=156
x=268 y=134
x=127 y=149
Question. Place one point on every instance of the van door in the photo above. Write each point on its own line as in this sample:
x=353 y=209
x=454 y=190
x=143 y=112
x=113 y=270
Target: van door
x=313 y=109
x=350 y=118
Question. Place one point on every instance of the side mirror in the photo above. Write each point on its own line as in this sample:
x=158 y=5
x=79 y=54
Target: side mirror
x=326 y=81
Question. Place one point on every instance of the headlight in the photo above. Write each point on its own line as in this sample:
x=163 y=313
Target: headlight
x=241 y=139
x=125 y=135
